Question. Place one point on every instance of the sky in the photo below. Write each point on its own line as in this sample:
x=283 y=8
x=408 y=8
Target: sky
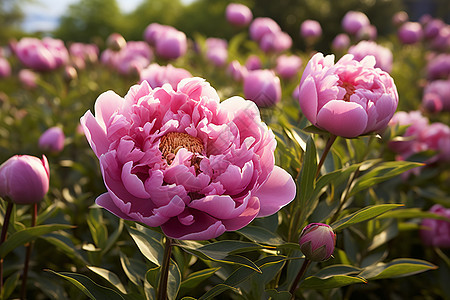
x=43 y=15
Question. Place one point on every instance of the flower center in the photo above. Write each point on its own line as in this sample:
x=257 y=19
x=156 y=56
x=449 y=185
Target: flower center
x=349 y=89
x=170 y=143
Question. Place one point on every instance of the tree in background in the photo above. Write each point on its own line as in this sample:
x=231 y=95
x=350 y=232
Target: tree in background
x=11 y=17
x=90 y=20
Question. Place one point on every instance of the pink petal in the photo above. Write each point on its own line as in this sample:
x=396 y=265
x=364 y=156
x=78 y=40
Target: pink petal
x=203 y=227
x=105 y=201
x=308 y=99
x=346 y=119
x=105 y=106
x=220 y=207
x=276 y=192
x=250 y=212
x=95 y=134
x=132 y=183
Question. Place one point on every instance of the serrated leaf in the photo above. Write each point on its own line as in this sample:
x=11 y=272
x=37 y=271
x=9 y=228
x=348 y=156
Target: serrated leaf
x=331 y=282
x=151 y=248
x=112 y=278
x=88 y=287
x=27 y=235
x=362 y=215
x=194 y=279
x=397 y=268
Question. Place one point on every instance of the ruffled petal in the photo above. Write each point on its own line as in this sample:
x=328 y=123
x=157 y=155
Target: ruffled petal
x=95 y=134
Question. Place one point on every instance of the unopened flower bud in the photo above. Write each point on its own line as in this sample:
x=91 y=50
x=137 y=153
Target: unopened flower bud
x=52 y=140
x=24 y=179
x=116 y=42
x=317 y=241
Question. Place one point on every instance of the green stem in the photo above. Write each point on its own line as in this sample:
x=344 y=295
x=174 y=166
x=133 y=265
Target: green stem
x=29 y=247
x=344 y=196
x=162 y=286
x=330 y=142
x=3 y=237
x=300 y=274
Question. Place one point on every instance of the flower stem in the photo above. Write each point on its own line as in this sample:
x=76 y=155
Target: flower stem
x=330 y=142
x=300 y=274
x=29 y=247
x=344 y=196
x=162 y=286
x=3 y=237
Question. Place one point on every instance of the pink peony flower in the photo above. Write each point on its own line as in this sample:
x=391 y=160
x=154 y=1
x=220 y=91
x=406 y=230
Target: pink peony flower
x=317 y=241
x=216 y=51
x=24 y=179
x=431 y=103
x=275 y=42
x=28 y=78
x=171 y=43
x=310 y=29
x=131 y=59
x=237 y=71
x=5 y=68
x=157 y=75
x=440 y=89
x=399 y=18
x=341 y=42
x=52 y=140
x=410 y=32
x=116 y=41
x=383 y=56
x=441 y=42
x=288 y=66
x=253 y=62
x=262 y=87
x=436 y=137
x=432 y=28
x=262 y=26
x=354 y=21
x=439 y=67
x=238 y=14
x=367 y=33
x=154 y=31
x=348 y=98
x=434 y=232
x=184 y=161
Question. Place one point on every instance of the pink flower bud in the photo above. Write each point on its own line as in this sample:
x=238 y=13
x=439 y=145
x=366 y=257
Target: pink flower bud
x=237 y=71
x=435 y=232
x=288 y=66
x=317 y=241
x=253 y=62
x=341 y=42
x=5 y=68
x=171 y=44
x=383 y=56
x=52 y=140
x=310 y=29
x=238 y=14
x=410 y=32
x=261 y=27
x=262 y=87
x=28 y=78
x=157 y=75
x=399 y=18
x=70 y=73
x=24 y=179
x=116 y=41
x=353 y=21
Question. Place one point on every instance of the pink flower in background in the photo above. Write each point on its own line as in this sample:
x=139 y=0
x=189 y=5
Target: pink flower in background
x=262 y=26
x=24 y=179
x=170 y=43
x=348 y=98
x=153 y=32
x=288 y=66
x=441 y=90
x=132 y=58
x=310 y=29
x=52 y=140
x=431 y=103
x=237 y=71
x=432 y=28
x=5 y=67
x=399 y=18
x=216 y=51
x=33 y=54
x=238 y=14
x=341 y=42
x=317 y=241
x=182 y=160
x=436 y=137
x=354 y=21
x=262 y=87
x=253 y=62
x=383 y=56
x=275 y=42
x=367 y=33
x=416 y=123
x=28 y=78
x=115 y=41
x=441 y=42
x=434 y=232
x=439 y=67
x=410 y=33
x=157 y=75
x=85 y=52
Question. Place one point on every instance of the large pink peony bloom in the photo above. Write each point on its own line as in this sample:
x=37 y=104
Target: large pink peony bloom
x=181 y=160
x=348 y=98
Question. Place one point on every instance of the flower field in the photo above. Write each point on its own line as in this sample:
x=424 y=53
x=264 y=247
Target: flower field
x=198 y=167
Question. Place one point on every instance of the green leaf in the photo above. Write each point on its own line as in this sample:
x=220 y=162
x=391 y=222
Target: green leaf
x=194 y=279
x=27 y=235
x=151 y=248
x=397 y=268
x=66 y=246
x=9 y=285
x=330 y=282
x=112 y=239
x=278 y=295
x=97 y=227
x=261 y=235
x=409 y=213
x=229 y=247
x=314 y=129
x=112 y=278
x=88 y=287
x=134 y=269
x=173 y=281
x=337 y=270
x=362 y=215
x=380 y=173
